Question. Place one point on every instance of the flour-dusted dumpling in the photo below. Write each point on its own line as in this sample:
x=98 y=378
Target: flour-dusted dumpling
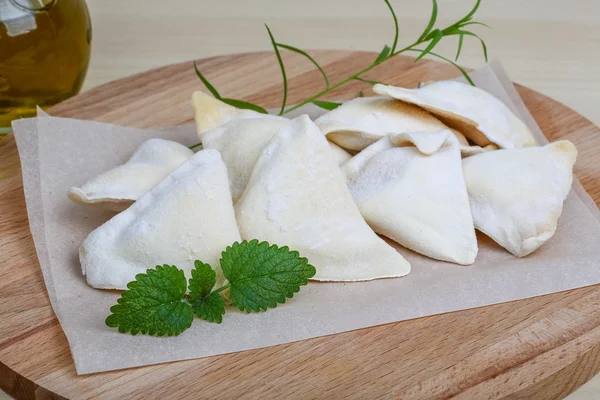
x=117 y=188
x=468 y=151
x=210 y=112
x=410 y=188
x=242 y=140
x=340 y=155
x=188 y=216
x=361 y=122
x=517 y=195
x=480 y=116
x=297 y=197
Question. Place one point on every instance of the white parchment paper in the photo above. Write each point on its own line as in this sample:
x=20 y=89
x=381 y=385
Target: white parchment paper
x=57 y=153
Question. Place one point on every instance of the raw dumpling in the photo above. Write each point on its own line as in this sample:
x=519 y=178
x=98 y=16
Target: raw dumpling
x=410 y=188
x=474 y=112
x=339 y=154
x=297 y=197
x=468 y=151
x=188 y=216
x=117 y=188
x=517 y=195
x=361 y=122
x=210 y=112
x=241 y=141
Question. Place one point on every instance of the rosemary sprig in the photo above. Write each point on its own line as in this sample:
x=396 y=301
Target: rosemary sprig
x=430 y=38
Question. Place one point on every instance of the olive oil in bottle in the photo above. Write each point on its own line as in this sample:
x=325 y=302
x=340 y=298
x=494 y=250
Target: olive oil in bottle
x=44 y=54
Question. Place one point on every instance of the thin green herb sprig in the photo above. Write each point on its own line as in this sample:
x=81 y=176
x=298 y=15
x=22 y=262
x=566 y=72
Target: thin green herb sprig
x=424 y=45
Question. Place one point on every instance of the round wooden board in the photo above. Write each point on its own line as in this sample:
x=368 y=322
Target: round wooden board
x=540 y=348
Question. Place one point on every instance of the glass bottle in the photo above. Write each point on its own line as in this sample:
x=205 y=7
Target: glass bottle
x=44 y=54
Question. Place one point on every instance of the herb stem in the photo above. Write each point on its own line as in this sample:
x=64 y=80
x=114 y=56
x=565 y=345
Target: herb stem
x=282 y=66
x=397 y=32
x=350 y=78
x=222 y=288
x=430 y=36
x=425 y=38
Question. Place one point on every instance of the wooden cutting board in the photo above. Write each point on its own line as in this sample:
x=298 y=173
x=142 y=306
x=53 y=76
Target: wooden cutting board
x=540 y=348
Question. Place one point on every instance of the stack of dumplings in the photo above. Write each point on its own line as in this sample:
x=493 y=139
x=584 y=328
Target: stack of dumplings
x=423 y=167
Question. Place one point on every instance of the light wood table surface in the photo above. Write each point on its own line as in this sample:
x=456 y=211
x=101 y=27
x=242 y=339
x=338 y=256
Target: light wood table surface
x=552 y=46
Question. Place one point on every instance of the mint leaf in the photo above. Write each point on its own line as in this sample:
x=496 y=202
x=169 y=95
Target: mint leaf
x=210 y=308
x=202 y=281
x=153 y=304
x=261 y=276
x=206 y=305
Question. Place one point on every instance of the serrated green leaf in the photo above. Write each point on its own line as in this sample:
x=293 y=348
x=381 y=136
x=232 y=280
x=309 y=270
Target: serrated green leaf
x=153 y=304
x=210 y=308
x=202 y=281
x=305 y=54
x=383 y=54
x=327 y=105
x=437 y=36
x=261 y=276
x=397 y=31
x=206 y=305
x=206 y=83
x=431 y=23
x=244 y=105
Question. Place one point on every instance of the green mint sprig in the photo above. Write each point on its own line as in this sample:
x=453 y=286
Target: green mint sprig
x=260 y=277
x=429 y=38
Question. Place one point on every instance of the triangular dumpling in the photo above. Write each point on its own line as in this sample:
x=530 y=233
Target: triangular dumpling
x=241 y=141
x=117 y=188
x=210 y=112
x=188 y=216
x=474 y=112
x=340 y=155
x=410 y=188
x=361 y=122
x=297 y=197
x=469 y=151
x=517 y=195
